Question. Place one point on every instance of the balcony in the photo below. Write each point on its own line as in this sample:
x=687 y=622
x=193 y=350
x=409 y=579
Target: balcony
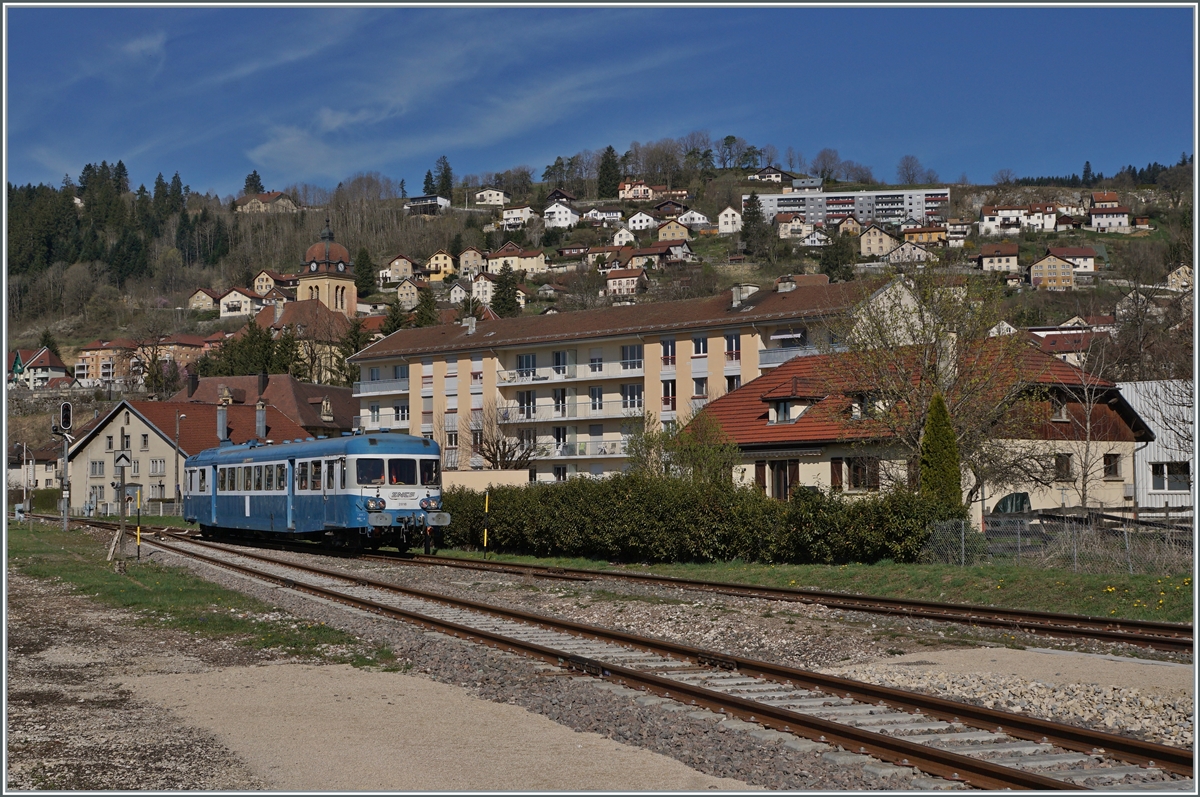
x=733 y=356
x=581 y=408
x=568 y=373
x=771 y=357
x=668 y=403
x=380 y=386
x=385 y=419
x=668 y=363
x=591 y=448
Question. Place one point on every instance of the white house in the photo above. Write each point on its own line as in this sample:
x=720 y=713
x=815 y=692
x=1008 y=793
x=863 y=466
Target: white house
x=729 y=221
x=623 y=237
x=1081 y=258
x=816 y=238
x=908 y=252
x=483 y=288
x=692 y=217
x=771 y=174
x=642 y=221
x=1109 y=219
x=607 y=215
x=1162 y=470
x=635 y=191
x=239 y=302
x=517 y=216
x=458 y=293
x=1002 y=219
x=492 y=196
x=560 y=214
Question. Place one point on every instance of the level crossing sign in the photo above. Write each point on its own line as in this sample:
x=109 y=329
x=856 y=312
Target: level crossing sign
x=121 y=459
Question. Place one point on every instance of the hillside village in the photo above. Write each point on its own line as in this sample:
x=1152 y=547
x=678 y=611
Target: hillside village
x=508 y=319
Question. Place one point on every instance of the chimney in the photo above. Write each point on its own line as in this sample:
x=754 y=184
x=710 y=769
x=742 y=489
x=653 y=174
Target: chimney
x=193 y=383
x=222 y=424
x=260 y=419
x=224 y=395
x=469 y=323
x=262 y=382
x=786 y=284
x=736 y=291
x=743 y=291
x=278 y=310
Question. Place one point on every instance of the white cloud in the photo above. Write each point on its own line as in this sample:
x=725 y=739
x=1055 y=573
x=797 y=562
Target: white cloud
x=152 y=45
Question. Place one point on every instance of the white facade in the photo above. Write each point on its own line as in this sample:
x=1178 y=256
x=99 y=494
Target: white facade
x=816 y=238
x=908 y=252
x=559 y=214
x=1163 y=469
x=458 y=293
x=692 y=217
x=729 y=221
x=491 y=196
x=1109 y=219
x=517 y=217
x=238 y=302
x=623 y=237
x=642 y=221
x=604 y=214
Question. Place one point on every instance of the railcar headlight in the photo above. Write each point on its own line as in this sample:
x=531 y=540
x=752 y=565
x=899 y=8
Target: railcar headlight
x=375 y=504
x=431 y=502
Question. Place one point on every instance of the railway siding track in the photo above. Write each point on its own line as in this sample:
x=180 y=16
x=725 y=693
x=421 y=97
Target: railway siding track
x=979 y=747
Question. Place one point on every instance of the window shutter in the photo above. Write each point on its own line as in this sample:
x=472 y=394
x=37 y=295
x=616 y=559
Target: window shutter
x=835 y=473
x=793 y=467
x=760 y=473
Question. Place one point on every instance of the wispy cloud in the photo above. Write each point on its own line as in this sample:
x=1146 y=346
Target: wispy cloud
x=151 y=45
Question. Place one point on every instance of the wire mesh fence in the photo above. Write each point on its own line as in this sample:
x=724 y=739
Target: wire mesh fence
x=1092 y=543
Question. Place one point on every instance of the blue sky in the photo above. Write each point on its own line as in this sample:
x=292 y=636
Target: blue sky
x=312 y=94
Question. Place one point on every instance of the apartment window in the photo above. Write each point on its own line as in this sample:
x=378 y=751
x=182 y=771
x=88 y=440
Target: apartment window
x=699 y=347
x=526 y=402
x=108 y=442
x=399 y=372
x=400 y=411
x=1058 y=410
x=732 y=383
x=668 y=394
x=1062 y=467
x=158 y=467
x=700 y=387
x=631 y=356
x=560 y=362
x=864 y=473
x=374 y=374
x=631 y=397
x=596 y=361
x=145 y=442
x=1112 y=466
x=597 y=397
x=560 y=439
x=560 y=401
x=374 y=409
x=451 y=439
x=526 y=365
x=96 y=467
x=733 y=346
x=560 y=473
x=1173 y=476
x=527 y=438
x=136 y=467
x=668 y=351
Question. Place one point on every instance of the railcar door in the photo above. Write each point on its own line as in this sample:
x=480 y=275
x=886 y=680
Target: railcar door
x=291 y=494
x=329 y=495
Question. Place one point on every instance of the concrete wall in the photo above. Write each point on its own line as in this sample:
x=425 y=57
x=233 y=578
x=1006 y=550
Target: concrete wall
x=480 y=480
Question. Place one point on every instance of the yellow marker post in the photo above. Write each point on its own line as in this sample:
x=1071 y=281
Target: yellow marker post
x=486 y=495
x=139 y=524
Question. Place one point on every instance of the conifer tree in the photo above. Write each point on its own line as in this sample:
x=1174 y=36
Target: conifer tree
x=444 y=178
x=941 y=473
x=427 y=311
x=49 y=342
x=430 y=186
x=397 y=318
x=364 y=273
x=504 y=297
x=608 y=175
x=254 y=184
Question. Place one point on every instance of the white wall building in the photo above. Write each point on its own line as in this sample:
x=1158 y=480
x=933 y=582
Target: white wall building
x=1163 y=469
x=642 y=221
x=729 y=221
x=560 y=214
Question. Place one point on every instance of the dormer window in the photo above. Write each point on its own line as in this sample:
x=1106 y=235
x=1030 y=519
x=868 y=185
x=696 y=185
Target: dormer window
x=786 y=411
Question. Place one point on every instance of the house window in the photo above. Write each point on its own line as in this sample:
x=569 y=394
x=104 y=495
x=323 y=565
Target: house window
x=864 y=473
x=137 y=467
x=732 y=383
x=108 y=443
x=631 y=357
x=526 y=402
x=451 y=439
x=1170 y=476
x=145 y=442
x=668 y=394
x=560 y=473
x=1058 y=410
x=96 y=467
x=158 y=467
x=374 y=409
x=597 y=396
x=1062 y=467
x=560 y=362
x=559 y=397
x=700 y=387
x=526 y=365
x=400 y=411
x=374 y=374
x=1112 y=466
x=631 y=397
x=399 y=372
x=733 y=346
x=527 y=438
x=699 y=347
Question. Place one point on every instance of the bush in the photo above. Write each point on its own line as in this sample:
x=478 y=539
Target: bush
x=637 y=518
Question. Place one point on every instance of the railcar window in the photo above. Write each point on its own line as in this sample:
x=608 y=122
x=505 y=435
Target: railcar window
x=402 y=471
x=269 y=478
x=301 y=475
x=204 y=480
x=430 y=472
x=220 y=480
x=329 y=475
x=316 y=474
x=369 y=471
x=343 y=476
x=236 y=475
x=247 y=477
x=258 y=480
x=281 y=476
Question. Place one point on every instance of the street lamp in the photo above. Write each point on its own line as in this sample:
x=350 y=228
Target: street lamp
x=178 y=416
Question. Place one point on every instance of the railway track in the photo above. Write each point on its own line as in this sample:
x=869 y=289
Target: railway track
x=979 y=747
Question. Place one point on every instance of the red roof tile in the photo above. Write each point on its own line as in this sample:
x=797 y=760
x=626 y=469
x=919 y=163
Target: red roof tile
x=283 y=392
x=1072 y=251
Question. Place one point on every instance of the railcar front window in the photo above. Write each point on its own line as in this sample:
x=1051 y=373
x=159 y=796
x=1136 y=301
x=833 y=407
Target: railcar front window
x=430 y=472
x=316 y=474
x=369 y=471
x=204 y=480
x=301 y=475
x=402 y=471
x=281 y=476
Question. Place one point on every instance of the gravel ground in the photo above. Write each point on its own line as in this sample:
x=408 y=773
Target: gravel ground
x=805 y=636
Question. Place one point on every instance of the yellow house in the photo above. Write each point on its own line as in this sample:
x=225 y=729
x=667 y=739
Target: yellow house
x=328 y=276
x=926 y=235
x=849 y=226
x=532 y=261
x=471 y=261
x=1052 y=273
x=673 y=231
x=204 y=299
x=873 y=241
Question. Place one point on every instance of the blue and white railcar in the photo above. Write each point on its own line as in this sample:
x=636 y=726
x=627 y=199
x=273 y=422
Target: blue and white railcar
x=355 y=490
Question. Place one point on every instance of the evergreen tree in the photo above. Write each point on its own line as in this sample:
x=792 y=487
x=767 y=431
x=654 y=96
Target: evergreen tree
x=456 y=244
x=364 y=273
x=254 y=184
x=162 y=208
x=430 y=186
x=941 y=474
x=397 y=318
x=504 y=297
x=837 y=259
x=355 y=340
x=403 y=190
x=121 y=178
x=427 y=310
x=755 y=230
x=1087 y=173
x=444 y=178
x=49 y=342
x=176 y=196
x=608 y=175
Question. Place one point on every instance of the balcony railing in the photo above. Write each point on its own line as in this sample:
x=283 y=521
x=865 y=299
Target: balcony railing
x=590 y=448
x=731 y=356
x=769 y=357
x=668 y=403
x=380 y=386
x=581 y=407
x=668 y=362
x=384 y=419
x=566 y=373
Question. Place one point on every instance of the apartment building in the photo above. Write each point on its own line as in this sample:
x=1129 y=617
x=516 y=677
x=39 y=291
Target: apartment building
x=570 y=385
x=830 y=207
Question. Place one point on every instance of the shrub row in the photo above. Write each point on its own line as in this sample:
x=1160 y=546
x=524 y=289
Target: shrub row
x=634 y=518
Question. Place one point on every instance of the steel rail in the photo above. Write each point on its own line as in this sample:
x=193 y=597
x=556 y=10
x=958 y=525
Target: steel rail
x=1069 y=737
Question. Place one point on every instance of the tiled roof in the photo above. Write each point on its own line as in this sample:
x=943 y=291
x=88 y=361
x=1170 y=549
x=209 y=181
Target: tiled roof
x=1072 y=251
x=807 y=302
x=625 y=273
x=36 y=358
x=310 y=314
x=998 y=250
x=1104 y=196
x=213 y=294
x=266 y=198
x=299 y=401
x=1102 y=211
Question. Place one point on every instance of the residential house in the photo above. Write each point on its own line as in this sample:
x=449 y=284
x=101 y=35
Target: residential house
x=673 y=231
x=471 y=261
x=816 y=238
x=998 y=257
x=33 y=468
x=492 y=196
x=658 y=254
x=399 y=267
x=239 y=302
x=35 y=368
x=560 y=214
x=440 y=266
x=1105 y=199
x=814 y=423
x=567 y=384
x=1002 y=219
x=408 y=292
x=531 y=261
x=458 y=293
x=270 y=202
x=874 y=242
x=1052 y=273
x=599 y=256
x=1070 y=344
x=849 y=226
x=372 y=326
x=1161 y=471
x=926 y=236
x=624 y=282
x=516 y=217
x=663 y=192
x=551 y=292
x=1068 y=223
x=607 y=215
x=146 y=429
x=426 y=205
x=909 y=224
x=560 y=195
x=318 y=409
x=318 y=330
x=957 y=231
x=1142 y=223
x=483 y=288
x=634 y=191
x=908 y=252
x=108 y=363
x=1180 y=280
x=771 y=174
x=204 y=300
x=1082 y=258
x=641 y=221
x=670 y=209
x=808 y=185
x=1109 y=219
x=792 y=225
x=624 y=237
x=572 y=251
x=693 y=219
x=1042 y=217
x=729 y=221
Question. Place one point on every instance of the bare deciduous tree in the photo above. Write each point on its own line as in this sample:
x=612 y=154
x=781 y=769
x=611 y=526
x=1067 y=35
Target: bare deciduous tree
x=1004 y=177
x=491 y=442
x=909 y=170
x=825 y=163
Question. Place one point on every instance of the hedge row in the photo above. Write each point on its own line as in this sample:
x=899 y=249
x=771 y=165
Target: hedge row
x=633 y=518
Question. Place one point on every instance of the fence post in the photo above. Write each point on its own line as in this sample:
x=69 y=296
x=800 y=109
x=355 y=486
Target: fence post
x=962 y=534
x=1020 y=522
x=1128 y=554
x=1075 y=547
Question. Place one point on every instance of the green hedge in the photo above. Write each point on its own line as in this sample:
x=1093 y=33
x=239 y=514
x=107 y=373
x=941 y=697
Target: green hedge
x=633 y=518
x=43 y=500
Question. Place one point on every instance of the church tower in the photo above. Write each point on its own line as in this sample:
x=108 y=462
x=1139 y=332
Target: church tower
x=327 y=274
